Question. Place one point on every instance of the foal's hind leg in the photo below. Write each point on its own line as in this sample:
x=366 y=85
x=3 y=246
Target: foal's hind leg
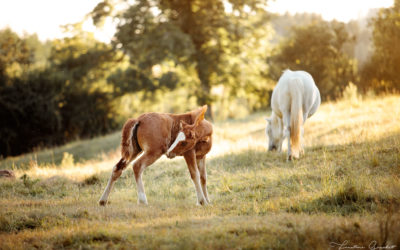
x=116 y=173
x=144 y=161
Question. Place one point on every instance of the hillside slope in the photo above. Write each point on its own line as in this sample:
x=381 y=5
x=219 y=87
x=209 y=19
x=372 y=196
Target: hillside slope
x=345 y=188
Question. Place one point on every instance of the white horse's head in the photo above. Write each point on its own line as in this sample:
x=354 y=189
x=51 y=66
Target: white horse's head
x=274 y=132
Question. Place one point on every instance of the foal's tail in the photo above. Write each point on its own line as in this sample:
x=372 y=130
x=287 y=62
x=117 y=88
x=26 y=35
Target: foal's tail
x=296 y=115
x=129 y=144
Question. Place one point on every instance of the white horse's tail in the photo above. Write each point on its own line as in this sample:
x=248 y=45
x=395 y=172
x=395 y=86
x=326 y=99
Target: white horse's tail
x=296 y=115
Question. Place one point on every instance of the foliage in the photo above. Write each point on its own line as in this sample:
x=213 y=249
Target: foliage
x=283 y=24
x=15 y=55
x=199 y=35
x=29 y=113
x=132 y=80
x=49 y=106
x=244 y=75
x=318 y=49
x=42 y=111
x=19 y=54
x=381 y=71
x=83 y=60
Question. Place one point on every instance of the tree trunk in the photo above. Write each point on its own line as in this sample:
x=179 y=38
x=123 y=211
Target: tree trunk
x=203 y=94
x=202 y=58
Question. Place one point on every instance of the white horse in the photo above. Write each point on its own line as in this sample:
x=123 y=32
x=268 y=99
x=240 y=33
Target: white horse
x=294 y=99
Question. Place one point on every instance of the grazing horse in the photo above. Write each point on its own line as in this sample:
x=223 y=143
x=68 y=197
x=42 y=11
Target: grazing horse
x=294 y=99
x=188 y=135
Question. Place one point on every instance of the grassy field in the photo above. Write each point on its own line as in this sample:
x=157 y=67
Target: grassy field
x=344 y=191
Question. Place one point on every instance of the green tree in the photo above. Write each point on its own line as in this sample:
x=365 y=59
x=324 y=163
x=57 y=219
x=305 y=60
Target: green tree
x=66 y=97
x=29 y=113
x=84 y=65
x=15 y=55
x=319 y=49
x=83 y=60
x=196 y=34
x=381 y=73
x=41 y=50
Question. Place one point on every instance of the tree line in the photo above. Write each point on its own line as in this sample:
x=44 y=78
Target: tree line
x=173 y=55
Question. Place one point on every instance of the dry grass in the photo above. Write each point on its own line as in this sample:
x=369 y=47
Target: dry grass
x=346 y=187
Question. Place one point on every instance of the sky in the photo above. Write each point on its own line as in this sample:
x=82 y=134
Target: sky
x=45 y=17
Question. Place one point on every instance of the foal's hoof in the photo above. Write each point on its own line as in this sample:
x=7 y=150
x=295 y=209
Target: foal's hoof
x=102 y=203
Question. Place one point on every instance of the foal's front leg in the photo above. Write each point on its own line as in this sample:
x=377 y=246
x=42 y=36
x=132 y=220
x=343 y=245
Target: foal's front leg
x=201 y=164
x=190 y=158
x=139 y=166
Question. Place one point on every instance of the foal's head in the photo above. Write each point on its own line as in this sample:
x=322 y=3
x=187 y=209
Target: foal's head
x=187 y=137
x=274 y=132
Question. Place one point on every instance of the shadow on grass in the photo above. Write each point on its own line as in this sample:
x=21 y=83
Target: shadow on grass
x=352 y=162
x=347 y=201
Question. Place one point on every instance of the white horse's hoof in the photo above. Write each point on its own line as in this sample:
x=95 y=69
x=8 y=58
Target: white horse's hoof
x=292 y=157
x=202 y=203
x=142 y=203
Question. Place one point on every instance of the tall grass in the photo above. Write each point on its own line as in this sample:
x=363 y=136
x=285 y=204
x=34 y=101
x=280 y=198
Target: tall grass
x=345 y=189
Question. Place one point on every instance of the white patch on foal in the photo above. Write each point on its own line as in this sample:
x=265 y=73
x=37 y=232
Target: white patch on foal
x=142 y=198
x=181 y=137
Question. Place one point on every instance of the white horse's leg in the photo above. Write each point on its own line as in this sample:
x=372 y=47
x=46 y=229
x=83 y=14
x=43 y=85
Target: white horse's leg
x=286 y=133
x=302 y=140
x=144 y=161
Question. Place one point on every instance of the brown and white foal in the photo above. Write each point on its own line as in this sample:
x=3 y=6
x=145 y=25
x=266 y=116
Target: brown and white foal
x=188 y=135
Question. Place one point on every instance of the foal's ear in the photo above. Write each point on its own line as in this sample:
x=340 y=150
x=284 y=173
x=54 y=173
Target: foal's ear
x=200 y=116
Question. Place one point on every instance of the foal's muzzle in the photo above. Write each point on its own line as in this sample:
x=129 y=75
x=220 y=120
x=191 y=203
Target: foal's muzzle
x=170 y=155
